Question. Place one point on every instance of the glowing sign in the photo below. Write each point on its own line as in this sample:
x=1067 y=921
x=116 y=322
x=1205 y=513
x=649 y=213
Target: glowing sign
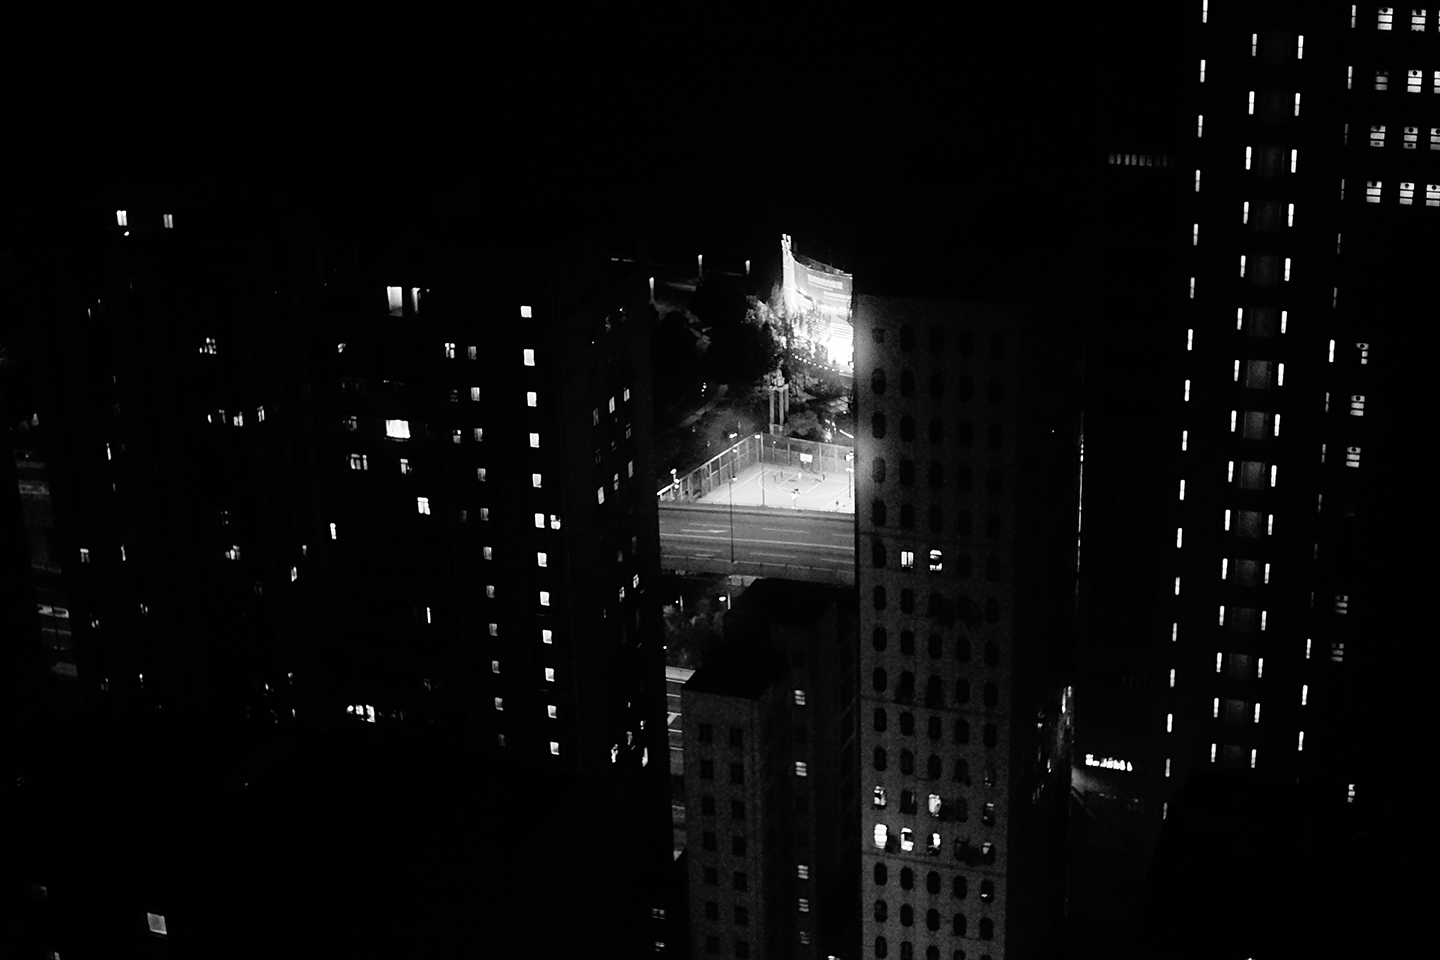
x=1109 y=764
x=817 y=299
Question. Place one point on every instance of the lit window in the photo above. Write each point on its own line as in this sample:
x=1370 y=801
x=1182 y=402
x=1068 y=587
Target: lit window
x=1372 y=191
x=534 y=441
x=1182 y=489
x=612 y=404
x=494 y=629
x=1294 y=159
x=547 y=636
x=540 y=559
x=1382 y=80
x=1212 y=753
x=1300 y=744
x=802 y=871
x=422 y=504
x=535 y=480
x=1385 y=16
x=1172 y=678
x=1290 y=218
x=1300 y=47
x=801 y=769
x=1200 y=126
x=799 y=698
x=549 y=674
x=539 y=521
x=907 y=559
x=1377 y=135
x=1254 y=43
x=1407 y=193
x=630 y=468
x=599 y=494
x=84 y=554
x=396 y=298
x=530 y=399
x=1197 y=181
x=1357 y=405
x=1179 y=536
x=529 y=357
x=544 y=598
x=554 y=521
x=1202 y=71
x=1412 y=137
x=404 y=465
x=936 y=564
x=1287 y=269
x=907 y=839
x=1169 y=723
x=231 y=554
x=1417 y=21
x=156 y=921
x=488 y=553
x=1167 y=766
x=210 y=345
x=1242 y=265
x=455 y=435
x=1251 y=109
x=475 y=394
x=499 y=703
x=1349 y=78
x=554 y=748
x=881 y=836
x=484 y=513
x=1352 y=456
x=1297 y=104
x=1257 y=713
x=481 y=474
x=1184 y=439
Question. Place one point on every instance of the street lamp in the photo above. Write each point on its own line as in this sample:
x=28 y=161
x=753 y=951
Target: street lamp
x=732 y=524
x=674 y=485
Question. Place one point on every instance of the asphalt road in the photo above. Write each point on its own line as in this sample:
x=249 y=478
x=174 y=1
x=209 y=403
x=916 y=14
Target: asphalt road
x=795 y=545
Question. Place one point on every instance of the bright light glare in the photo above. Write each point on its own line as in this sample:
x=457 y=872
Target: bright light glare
x=397 y=429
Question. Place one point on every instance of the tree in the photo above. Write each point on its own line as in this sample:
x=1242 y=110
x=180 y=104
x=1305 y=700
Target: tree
x=719 y=301
x=804 y=425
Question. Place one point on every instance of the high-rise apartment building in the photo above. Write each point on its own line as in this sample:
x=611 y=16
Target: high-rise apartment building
x=785 y=681
x=966 y=496
x=1295 y=199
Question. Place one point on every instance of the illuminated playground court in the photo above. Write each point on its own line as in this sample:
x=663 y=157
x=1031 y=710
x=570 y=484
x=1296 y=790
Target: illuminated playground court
x=772 y=485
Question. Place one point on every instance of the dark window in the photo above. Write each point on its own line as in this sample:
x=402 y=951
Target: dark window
x=992 y=568
x=907 y=596
x=962 y=559
x=967 y=343
x=934 y=646
x=907 y=516
x=965 y=474
x=877 y=512
x=936 y=606
x=707 y=806
x=880 y=680
x=957 y=925
x=708 y=840
x=937 y=430
x=882 y=949
x=877 y=381
x=962 y=730
x=907 y=878
x=992 y=694
x=907 y=427
x=964 y=521
x=992 y=482
x=992 y=525
x=712 y=876
x=987 y=889
x=965 y=433
x=712 y=910
x=737 y=737
x=997 y=391
x=997 y=345
x=936 y=514
x=967 y=387
x=992 y=653
x=707 y=733
x=707 y=769
x=907 y=473
x=879 y=638
x=879 y=758
x=937 y=386
x=932 y=919
x=987 y=928
x=877 y=554
x=737 y=809
x=907 y=802
x=879 y=598
x=907 y=916
x=907 y=763
x=995 y=436
x=742 y=917
x=906 y=690
x=934 y=692
x=907 y=641
x=907 y=383
x=962 y=771
x=962 y=650
x=907 y=950
x=877 y=470
x=992 y=610
x=880 y=720
x=907 y=724
x=882 y=874
x=712 y=944
x=937 y=339
x=907 y=338
x=989 y=734
x=877 y=334
x=739 y=881
x=881 y=911
x=737 y=773
x=962 y=689
x=932 y=766
x=937 y=474
x=877 y=426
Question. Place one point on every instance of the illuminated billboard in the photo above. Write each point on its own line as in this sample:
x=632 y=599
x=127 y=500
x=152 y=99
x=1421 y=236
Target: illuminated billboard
x=817 y=301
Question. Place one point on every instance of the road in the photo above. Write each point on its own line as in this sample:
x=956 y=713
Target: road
x=768 y=542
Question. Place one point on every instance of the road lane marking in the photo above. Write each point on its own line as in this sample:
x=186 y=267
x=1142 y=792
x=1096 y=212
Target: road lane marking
x=773 y=543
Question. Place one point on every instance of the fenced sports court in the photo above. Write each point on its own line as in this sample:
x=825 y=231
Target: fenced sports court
x=773 y=472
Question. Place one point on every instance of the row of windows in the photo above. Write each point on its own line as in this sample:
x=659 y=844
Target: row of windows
x=935 y=645
x=964 y=435
x=936 y=558
x=933 y=765
x=1410 y=137
x=935 y=513
x=964 y=850
x=934 y=697
x=958 y=924
x=965 y=341
x=1375 y=191
x=706 y=734
x=122 y=219
x=1414 y=80
x=966 y=386
x=1385 y=19
x=907 y=951
x=964 y=479
x=963 y=609
x=957 y=810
